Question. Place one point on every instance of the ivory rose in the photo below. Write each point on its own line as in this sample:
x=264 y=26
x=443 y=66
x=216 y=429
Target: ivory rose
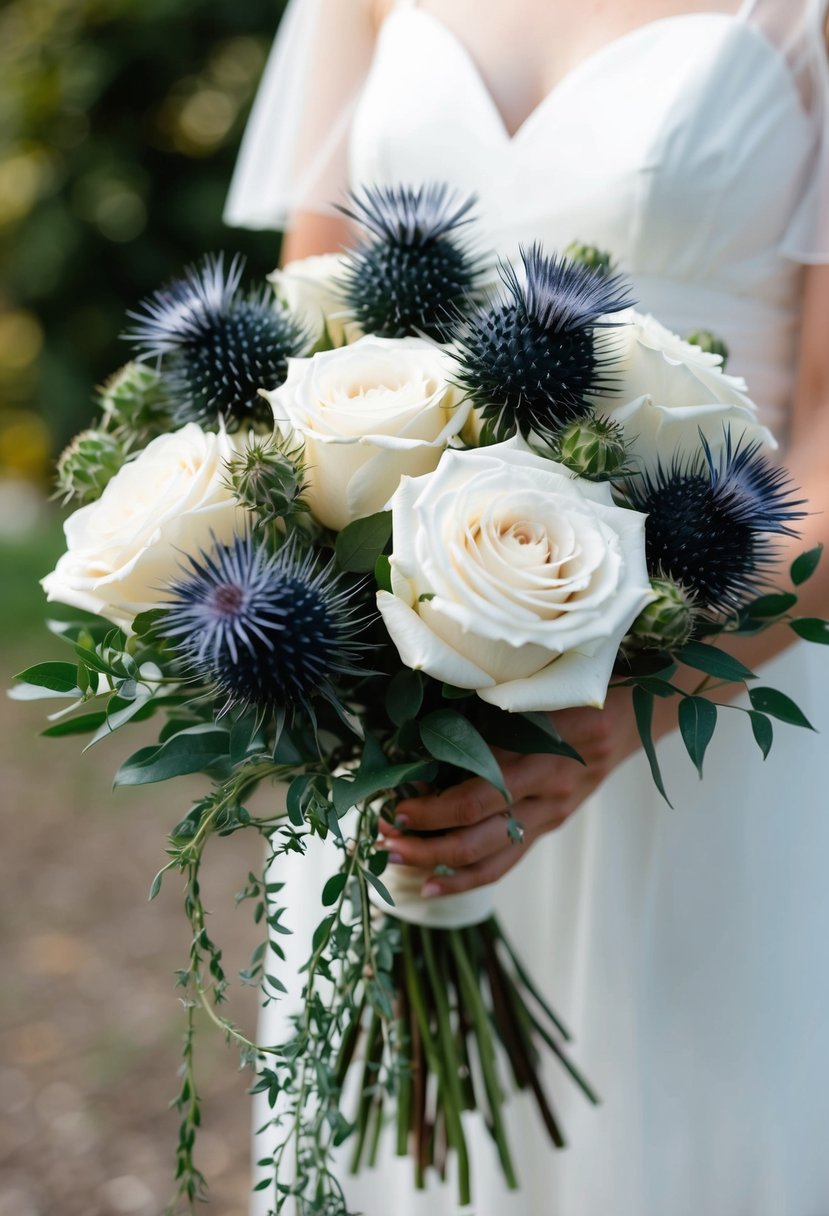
x=308 y=288
x=367 y=414
x=512 y=578
x=667 y=391
x=123 y=548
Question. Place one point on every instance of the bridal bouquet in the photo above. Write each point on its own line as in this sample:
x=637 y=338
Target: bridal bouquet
x=351 y=532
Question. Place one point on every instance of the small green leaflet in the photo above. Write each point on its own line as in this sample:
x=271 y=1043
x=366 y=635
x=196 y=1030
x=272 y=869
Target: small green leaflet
x=778 y=705
x=190 y=751
x=763 y=731
x=347 y=793
x=60 y=678
x=360 y=543
x=804 y=566
x=643 y=710
x=812 y=629
x=714 y=662
x=697 y=722
x=449 y=737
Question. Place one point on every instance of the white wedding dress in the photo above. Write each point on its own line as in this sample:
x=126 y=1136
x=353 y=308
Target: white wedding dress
x=687 y=948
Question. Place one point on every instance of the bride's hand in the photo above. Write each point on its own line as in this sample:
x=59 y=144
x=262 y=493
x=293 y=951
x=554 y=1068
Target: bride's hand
x=545 y=791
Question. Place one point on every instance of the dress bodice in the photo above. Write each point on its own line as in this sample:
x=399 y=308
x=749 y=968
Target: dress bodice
x=683 y=147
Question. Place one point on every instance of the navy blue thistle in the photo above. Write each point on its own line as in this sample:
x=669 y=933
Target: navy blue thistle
x=217 y=345
x=414 y=272
x=712 y=520
x=269 y=630
x=532 y=359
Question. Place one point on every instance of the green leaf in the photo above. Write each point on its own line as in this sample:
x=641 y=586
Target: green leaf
x=643 y=710
x=812 y=629
x=347 y=793
x=76 y=726
x=379 y=887
x=449 y=737
x=61 y=678
x=360 y=543
x=404 y=696
x=156 y=885
x=763 y=731
x=145 y=622
x=804 y=566
x=697 y=723
x=190 y=751
x=529 y=734
x=382 y=573
x=714 y=662
x=774 y=604
x=778 y=705
x=333 y=889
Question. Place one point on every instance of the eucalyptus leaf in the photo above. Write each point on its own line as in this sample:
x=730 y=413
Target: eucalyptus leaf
x=190 y=751
x=333 y=889
x=812 y=629
x=778 y=705
x=360 y=543
x=804 y=566
x=61 y=678
x=643 y=711
x=404 y=696
x=348 y=793
x=697 y=723
x=81 y=725
x=763 y=730
x=715 y=662
x=451 y=738
x=774 y=604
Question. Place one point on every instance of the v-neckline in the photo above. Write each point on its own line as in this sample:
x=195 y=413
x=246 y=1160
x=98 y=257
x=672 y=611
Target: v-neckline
x=588 y=62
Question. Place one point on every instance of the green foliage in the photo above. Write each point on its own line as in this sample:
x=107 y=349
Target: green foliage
x=119 y=127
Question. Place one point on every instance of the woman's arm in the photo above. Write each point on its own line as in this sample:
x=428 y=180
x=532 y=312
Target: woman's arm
x=546 y=790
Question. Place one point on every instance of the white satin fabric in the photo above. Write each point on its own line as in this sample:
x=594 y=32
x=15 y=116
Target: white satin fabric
x=688 y=948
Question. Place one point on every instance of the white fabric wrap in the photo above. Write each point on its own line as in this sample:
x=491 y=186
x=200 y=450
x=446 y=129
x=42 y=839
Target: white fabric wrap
x=439 y=912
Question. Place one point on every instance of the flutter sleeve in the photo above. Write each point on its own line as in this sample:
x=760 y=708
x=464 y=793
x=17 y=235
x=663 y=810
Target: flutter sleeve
x=807 y=238
x=294 y=154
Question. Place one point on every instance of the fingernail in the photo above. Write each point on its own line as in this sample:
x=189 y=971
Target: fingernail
x=402 y=821
x=430 y=889
x=396 y=859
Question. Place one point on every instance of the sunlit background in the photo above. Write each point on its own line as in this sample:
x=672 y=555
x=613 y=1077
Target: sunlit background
x=119 y=124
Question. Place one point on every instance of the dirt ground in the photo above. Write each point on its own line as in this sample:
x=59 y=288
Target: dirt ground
x=90 y=1021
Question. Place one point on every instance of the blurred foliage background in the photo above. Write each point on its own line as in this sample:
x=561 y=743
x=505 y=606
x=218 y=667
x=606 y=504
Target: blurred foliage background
x=119 y=125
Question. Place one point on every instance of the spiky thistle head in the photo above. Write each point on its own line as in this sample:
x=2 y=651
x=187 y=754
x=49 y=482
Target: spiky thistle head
x=414 y=272
x=269 y=630
x=711 y=520
x=532 y=359
x=267 y=478
x=218 y=346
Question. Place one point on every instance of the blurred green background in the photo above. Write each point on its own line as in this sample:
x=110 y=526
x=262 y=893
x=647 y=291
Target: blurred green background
x=119 y=125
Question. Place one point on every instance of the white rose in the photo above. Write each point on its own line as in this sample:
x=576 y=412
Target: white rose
x=512 y=578
x=308 y=287
x=367 y=414
x=667 y=391
x=169 y=501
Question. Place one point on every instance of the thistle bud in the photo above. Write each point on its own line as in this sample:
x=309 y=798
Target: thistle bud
x=590 y=257
x=667 y=623
x=710 y=343
x=88 y=464
x=134 y=404
x=267 y=480
x=593 y=448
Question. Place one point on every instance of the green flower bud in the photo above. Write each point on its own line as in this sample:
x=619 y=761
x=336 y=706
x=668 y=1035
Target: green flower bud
x=88 y=464
x=589 y=256
x=134 y=403
x=710 y=343
x=593 y=448
x=667 y=623
x=267 y=480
